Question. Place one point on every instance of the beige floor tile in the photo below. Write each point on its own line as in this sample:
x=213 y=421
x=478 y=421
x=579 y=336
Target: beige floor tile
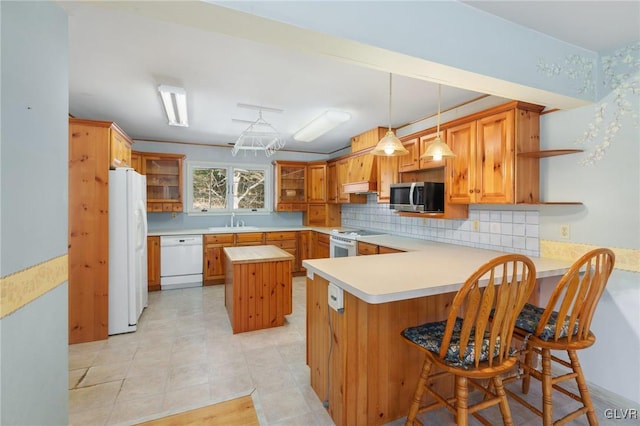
x=228 y=388
x=128 y=411
x=187 y=375
x=92 y=417
x=80 y=359
x=104 y=373
x=282 y=404
x=153 y=383
x=112 y=355
x=75 y=376
x=94 y=397
x=186 y=398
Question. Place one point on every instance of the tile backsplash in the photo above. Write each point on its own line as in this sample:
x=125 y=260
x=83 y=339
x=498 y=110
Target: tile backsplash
x=514 y=231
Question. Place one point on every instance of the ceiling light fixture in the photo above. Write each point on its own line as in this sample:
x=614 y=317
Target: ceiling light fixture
x=437 y=150
x=174 y=100
x=320 y=125
x=390 y=145
x=259 y=136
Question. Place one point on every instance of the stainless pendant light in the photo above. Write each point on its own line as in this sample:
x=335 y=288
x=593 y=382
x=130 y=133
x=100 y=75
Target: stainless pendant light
x=438 y=150
x=390 y=145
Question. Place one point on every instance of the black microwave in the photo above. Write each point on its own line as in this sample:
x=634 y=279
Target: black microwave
x=424 y=197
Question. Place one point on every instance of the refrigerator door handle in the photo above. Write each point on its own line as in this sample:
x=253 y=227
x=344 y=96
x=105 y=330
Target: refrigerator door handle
x=143 y=214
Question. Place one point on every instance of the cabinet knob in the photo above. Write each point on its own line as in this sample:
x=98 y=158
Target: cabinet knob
x=477 y=191
x=471 y=191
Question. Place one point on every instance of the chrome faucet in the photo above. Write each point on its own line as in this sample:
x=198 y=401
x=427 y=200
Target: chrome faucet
x=232 y=215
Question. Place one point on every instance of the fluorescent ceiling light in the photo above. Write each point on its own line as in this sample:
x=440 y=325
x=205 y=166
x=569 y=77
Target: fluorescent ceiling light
x=321 y=125
x=174 y=100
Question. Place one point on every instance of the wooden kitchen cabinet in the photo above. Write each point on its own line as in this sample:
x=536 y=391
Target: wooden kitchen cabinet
x=249 y=239
x=91 y=155
x=304 y=248
x=214 y=268
x=136 y=161
x=368 y=139
x=320 y=244
x=332 y=182
x=487 y=168
x=322 y=215
x=290 y=186
x=287 y=241
x=119 y=148
x=388 y=250
x=317 y=183
x=387 y=175
x=153 y=263
x=342 y=175
x=411 y=161
x=164 y=181
x=368 y=249
x=365 y=249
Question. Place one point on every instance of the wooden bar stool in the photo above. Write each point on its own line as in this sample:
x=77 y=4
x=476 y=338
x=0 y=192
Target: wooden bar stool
x=452 y=345
x=574 y=298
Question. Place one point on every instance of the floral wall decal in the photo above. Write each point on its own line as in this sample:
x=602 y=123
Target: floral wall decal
x=621 y=76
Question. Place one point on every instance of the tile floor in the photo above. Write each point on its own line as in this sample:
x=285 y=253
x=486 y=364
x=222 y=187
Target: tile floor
x=185 y=356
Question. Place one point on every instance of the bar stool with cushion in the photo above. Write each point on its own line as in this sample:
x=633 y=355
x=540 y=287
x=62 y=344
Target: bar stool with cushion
x=468 y=345
x=574 y=298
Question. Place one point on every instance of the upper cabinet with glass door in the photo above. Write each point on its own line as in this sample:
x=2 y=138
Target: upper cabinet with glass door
x=290 y=185
x=164 y=181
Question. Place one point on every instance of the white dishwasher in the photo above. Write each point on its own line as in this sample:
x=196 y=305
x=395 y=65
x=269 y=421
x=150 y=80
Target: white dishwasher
x=180 y=261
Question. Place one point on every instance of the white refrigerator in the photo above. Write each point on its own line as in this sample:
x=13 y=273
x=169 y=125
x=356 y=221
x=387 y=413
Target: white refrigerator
x=128 y=294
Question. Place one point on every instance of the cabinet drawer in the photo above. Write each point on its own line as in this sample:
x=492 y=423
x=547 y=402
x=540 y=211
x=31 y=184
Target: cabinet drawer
x=250 y=237
x=323 y=238
x=276 y=236
x=218 y=239
x=291 y=207
x=154 y=207
x=387 y=250
x=366 y=248
x=283 y=244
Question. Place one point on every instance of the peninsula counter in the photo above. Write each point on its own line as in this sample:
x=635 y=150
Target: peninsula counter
x=358 y=363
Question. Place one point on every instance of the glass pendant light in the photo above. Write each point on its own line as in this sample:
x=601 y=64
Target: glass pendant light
x=438 y=150
x=390 y=145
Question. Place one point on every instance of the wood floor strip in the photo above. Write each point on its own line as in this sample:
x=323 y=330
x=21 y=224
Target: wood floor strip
x=236 y=412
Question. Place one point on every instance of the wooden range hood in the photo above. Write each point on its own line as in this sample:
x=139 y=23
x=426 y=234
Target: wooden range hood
x=362 y=175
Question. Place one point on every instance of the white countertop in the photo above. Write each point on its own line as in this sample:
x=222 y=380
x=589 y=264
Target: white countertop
x=235 y=230
x=256 y=254
x=433 y=268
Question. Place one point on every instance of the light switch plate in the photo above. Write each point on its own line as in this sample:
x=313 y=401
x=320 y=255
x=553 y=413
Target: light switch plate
x=336 y=297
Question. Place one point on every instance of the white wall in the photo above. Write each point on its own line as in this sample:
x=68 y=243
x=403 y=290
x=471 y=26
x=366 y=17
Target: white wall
x=610 y=216
x=33 y=208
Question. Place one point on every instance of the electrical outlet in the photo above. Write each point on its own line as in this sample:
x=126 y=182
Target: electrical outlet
x=565 y=231
x=476 y=225
x=174 y=215
x=424 y=220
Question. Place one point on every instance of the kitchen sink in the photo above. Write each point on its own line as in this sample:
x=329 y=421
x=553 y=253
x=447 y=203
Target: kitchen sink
x=232 y=229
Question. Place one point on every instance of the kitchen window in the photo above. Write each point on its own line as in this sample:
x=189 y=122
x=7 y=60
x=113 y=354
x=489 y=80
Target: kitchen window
x=221 y=188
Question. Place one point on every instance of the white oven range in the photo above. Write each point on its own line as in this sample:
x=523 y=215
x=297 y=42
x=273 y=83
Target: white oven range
x=345 y=243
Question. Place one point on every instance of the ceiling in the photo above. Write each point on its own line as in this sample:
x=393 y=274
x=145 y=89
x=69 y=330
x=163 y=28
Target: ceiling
x=118 y=59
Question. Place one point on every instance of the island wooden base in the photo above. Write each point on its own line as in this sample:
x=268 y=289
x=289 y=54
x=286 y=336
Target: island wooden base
x=258 y=294
x=373 y=372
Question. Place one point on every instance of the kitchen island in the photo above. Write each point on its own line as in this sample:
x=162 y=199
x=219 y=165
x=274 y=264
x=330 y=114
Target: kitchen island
x=358 y=363
x=258 y=288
